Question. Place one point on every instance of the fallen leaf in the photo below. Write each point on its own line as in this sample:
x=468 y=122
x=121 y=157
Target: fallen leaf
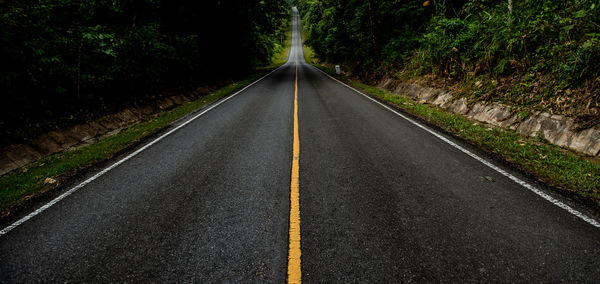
x=486 y=178
x=49 y=181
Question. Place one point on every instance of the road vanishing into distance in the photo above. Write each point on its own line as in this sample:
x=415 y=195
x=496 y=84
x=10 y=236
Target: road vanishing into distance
x=300 y=175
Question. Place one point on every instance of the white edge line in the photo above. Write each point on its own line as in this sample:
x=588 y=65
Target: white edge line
x=82 y=184
x=474 y=156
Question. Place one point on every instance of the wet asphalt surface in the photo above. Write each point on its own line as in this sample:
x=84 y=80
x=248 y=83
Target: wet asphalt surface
x=380 y=199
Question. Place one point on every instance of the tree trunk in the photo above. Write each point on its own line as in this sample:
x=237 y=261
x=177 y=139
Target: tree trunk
x=79 y=70
x=373 y=27
x=510 y=9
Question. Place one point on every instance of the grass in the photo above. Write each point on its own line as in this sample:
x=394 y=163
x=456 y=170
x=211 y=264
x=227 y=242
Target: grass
x=553 y=165
x=21 y=185
x=282 y=57
x=309 y=54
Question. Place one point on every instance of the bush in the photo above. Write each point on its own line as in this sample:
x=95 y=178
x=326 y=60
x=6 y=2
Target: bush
x=68 y=61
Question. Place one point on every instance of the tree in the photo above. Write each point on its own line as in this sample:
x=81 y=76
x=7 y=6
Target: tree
x=66 y=61
x=373 y=24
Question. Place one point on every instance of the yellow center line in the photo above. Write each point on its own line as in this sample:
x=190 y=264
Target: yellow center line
x=294 y=272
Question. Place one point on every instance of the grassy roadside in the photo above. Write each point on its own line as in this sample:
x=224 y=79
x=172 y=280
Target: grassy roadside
x=28 y=182
x=551 y=164
x=21 y=185
x=309 y=54
x=282 y=57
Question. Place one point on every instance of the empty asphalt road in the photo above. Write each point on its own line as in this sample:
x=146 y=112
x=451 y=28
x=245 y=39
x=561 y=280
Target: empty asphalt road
x=380 y=200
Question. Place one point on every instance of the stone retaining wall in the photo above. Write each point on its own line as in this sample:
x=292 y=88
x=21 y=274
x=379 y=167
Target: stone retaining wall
x=19 y=155
x=557 y=129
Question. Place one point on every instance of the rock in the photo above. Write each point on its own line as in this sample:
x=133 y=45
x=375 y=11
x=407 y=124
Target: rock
x=191 y=95
x=165 y=103
x=587 y=141
x=96 y=128
x=21 y=155
x=442 y=99
x=387 y=84
x=16 y=156
x=495 y=114
x=179 y=99
x=409 y=90
x=109 y=122
x=46 y=144
x=6 y=164
x=187 y=97
x=557 y=129
x=126 y=117
x=146 y=110
x=81 y=132
x=63 y=139
x=420 y=93
x=478 y=112
x=458 y=106
x=429 y=95
x=564 y=139
x=530 y=126
x=202 y=91
x=138 y=115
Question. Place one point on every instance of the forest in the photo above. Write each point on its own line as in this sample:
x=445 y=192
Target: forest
x=541 y=54
x=67 y=61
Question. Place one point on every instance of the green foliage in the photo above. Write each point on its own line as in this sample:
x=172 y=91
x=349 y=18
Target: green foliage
x=550 y=163
x=66 y=61
x=18 y=186
x=341 y=30
x=463 y=39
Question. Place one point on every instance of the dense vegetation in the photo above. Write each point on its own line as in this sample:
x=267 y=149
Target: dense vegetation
x=542 y=54
x=65 y=61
